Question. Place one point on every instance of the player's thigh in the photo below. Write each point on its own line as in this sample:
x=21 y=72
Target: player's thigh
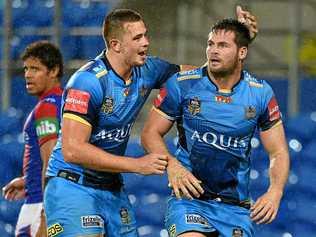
x=121 y=219
x=71 y=209
x=197 y=234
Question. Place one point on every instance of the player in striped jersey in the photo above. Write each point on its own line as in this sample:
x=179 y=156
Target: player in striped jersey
x=43 y=69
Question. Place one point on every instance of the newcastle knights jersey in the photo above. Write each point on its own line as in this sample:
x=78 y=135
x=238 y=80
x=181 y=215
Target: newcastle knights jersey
x=41 y=125
x=216 y=126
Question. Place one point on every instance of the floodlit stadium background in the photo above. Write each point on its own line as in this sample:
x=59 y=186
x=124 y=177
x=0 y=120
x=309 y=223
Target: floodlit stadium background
x=284 y=53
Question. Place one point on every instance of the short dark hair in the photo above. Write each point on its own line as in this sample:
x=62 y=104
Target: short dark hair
x=242 y=34
x=113 y=22
x=48 y=54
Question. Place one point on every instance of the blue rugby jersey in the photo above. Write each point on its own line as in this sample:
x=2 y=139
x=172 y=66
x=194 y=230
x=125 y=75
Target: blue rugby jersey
x=215 y=127
x=41 y=125
x=101 y=98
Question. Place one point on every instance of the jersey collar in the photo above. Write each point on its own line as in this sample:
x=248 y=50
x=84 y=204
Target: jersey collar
x=234 y=88
x=55 y=90
x=109 y=67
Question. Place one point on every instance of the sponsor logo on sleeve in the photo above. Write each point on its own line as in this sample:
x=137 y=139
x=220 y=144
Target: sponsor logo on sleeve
x=77 y=101
x=46 y=126
x=54 y=230
x=92 y=221
x=160 y=97
x=194 y=106
x=273 y=107
x=237 y=232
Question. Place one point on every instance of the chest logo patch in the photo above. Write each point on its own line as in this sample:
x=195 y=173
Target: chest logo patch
x=108 y=104
x=250 y=112
x=194 y=106
x=143 y=91
x=126 y=91
x=223 y=99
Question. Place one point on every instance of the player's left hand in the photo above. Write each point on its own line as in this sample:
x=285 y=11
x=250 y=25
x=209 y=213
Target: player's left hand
x=249 y=20
x=266 y=207
x=182 y=181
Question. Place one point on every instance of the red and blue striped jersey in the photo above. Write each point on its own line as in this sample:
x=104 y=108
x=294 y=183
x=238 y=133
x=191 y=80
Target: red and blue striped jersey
x=41 y=125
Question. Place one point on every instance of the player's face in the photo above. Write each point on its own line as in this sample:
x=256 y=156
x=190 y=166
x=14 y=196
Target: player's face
x=135 y=43
x=222 y=52
x=38 y=78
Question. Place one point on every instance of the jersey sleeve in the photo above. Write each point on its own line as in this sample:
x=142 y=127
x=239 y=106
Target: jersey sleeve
x=161 y=70
x=270 y=112
x=46 y=122
x=83 y=97
x=168 y=100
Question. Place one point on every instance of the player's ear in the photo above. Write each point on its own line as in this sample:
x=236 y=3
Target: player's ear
x=243 y=53
x=115 y=44
x=54 y=72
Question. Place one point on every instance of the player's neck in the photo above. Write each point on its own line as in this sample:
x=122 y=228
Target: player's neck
x=226 y=81
x=49 y=87
x=119 y=66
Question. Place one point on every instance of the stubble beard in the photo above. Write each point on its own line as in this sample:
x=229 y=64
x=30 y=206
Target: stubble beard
x=224 y=72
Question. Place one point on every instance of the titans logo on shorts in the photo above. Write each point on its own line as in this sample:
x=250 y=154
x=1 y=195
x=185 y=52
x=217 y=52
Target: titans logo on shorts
x=216 y=127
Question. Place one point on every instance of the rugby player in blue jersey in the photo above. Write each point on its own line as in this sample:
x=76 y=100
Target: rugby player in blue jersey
x=84 y=195
x=217 y=109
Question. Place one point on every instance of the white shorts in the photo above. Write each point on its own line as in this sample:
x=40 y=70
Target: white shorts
x=29 y=220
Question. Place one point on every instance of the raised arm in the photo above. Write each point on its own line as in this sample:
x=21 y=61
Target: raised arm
x=266 y=207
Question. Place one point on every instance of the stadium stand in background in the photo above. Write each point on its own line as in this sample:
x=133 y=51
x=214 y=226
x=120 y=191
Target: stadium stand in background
x=297 y=214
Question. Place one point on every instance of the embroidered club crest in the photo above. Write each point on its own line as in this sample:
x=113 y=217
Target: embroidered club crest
x=143 y=91
x=107 y=106
x=125 y=217
x=194 y=106
x=250 y=112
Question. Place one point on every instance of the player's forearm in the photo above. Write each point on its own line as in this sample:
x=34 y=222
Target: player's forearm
x=153 y=142
x=92 y=157
x=279 y=170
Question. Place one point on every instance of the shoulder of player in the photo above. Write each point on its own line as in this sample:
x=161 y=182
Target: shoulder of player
x=46 y=108
x=190 y=75
x=254 y=82
x=94 y=68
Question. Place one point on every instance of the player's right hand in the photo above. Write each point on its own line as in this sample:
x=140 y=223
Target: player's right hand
x=152 y=164
x=14 y=190
x=182 y=181
x=249 y=20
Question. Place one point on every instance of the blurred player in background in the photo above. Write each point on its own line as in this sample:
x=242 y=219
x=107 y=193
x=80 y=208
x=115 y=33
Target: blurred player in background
x=43 y=69
x=217 y=109
x=84 y=195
